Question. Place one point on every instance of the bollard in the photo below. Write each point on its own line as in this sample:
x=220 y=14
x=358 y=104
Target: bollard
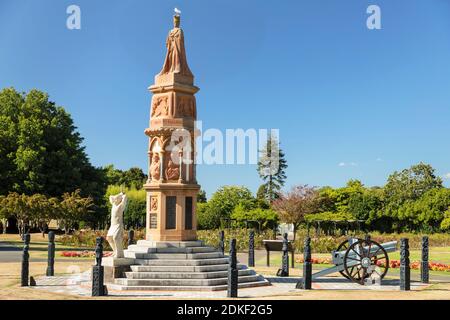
x=251 y=249
x=306 y=281
x=222 y=242
x=405 y=272
x=25 y=261
x=424 y=268
x=98 y=288
x=232 y=271
x=130 y=237
x=284 y=271
x=51 y=255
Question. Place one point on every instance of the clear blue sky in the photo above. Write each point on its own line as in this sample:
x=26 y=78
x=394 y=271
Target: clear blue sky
x=375 y=100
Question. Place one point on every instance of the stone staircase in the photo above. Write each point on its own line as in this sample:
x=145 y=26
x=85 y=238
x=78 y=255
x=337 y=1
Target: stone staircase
x=180 y=266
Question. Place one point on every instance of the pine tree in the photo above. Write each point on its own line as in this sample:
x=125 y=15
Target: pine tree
x=271 y=168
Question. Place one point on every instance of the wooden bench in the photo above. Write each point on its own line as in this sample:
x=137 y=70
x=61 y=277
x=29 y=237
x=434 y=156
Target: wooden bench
x=277 y=245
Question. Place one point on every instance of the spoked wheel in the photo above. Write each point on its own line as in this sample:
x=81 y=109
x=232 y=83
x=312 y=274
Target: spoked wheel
x=365 y=258
x=343 y=247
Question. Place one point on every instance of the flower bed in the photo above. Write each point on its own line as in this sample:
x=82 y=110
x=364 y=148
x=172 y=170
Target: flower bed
x=434 y=266
x=82 y=254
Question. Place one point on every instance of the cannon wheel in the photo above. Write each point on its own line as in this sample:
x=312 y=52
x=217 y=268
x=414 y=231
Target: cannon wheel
x=364 y=258
x=343 y=247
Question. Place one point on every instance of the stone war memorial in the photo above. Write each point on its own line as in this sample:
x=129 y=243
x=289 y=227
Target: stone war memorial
x=171 y=257
x=275 y=181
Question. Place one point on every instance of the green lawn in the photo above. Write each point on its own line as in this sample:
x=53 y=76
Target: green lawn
x=437 y=254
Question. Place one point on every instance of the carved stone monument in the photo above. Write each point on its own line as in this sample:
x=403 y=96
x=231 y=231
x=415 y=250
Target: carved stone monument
x=171 y=257
x=172 y=186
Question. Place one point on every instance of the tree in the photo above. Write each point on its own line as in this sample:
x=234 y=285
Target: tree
x=294 y=205
x=222 y=204
x=41 y=150
x=42 y=210
x=4 y=214
x=113 y=175
x=445 y=224
x=17 y=206
x=201 y=197
x=72 y=209
x=266 y=217
x=365 y=205
x=271 y=168
x=133 y=177
x=426 y=213
x=407 y=186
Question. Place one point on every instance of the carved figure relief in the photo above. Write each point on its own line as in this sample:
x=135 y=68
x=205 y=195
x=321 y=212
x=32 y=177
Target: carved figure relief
x=153 y=204
x=172 y=171
x=186 y=107
x=160 y=106
x=155 y=167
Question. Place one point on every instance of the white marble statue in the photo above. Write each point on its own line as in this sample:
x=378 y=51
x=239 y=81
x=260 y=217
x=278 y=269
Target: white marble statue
x=115 y=232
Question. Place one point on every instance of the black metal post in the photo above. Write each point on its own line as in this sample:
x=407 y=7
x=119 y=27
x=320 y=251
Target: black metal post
x=251 y=249
x=232 y=272
x=222 y=242
x=306 y=281
x=51 y=255
x=284 y=271
x=405 y=271
x=98 y=288
x=130 y=237
x=424 y=268
x=25 y=261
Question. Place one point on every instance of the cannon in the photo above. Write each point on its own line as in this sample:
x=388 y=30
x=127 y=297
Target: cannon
x=362 y=261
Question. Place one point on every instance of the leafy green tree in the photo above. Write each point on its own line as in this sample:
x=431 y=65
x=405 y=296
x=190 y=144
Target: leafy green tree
x=42 y=210
x=201 y=197
x=445 y=224
x=208 y=217
x=222 y=204
x=113 y=175
x=41 y=150
x=72 y=209
x=365 y=205
x=405 y=187
x=272 y=168
x=261 y=197
x=426 y=213
x=266 y=217
x=133 y=177
x=17 y=206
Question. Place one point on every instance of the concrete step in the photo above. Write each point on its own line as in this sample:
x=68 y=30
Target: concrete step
x=185 y=275
x=168 y=262
x=184 y=282
x=143 y=249
x=204 y=268
x=242 y=285
x=169 y=244
x=173 y=256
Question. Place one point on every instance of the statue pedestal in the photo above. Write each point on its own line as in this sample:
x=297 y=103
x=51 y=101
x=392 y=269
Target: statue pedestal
x=116 y=267
x=171 y=211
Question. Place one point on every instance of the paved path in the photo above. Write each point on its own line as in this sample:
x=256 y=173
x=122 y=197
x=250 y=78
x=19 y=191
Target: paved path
x=10 y=253
x=79 y=285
